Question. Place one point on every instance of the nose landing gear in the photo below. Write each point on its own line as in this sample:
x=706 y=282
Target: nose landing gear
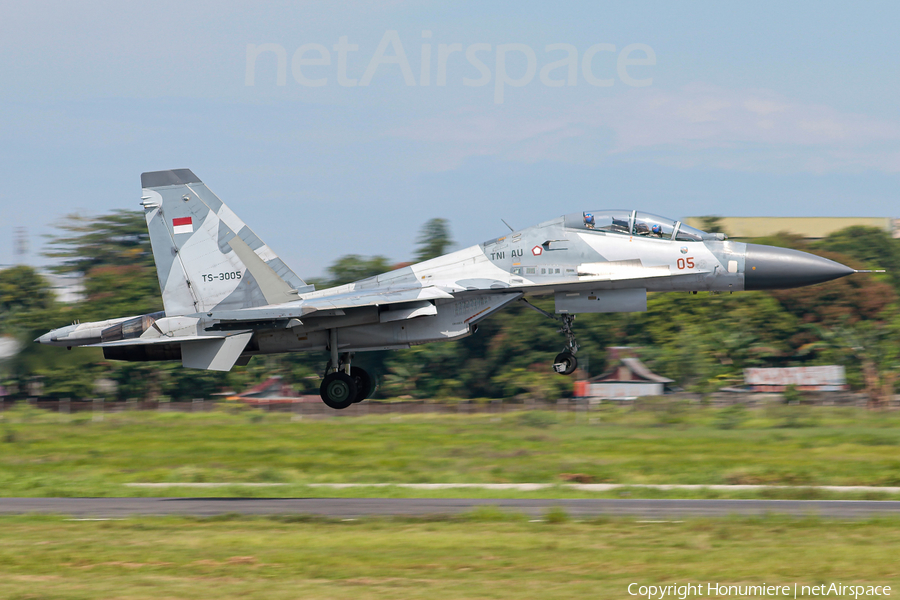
x=565 y=362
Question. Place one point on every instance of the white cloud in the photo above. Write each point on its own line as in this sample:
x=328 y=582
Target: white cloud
x=695 y=126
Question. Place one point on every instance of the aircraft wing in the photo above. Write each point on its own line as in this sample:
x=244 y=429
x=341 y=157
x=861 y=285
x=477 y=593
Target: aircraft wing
x=334 y=305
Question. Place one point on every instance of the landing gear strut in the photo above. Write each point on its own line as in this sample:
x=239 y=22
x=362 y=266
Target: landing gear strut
x=343 y=384
x=565 y=362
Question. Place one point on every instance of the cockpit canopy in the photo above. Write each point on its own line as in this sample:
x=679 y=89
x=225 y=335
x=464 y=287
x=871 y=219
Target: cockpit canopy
x=632 y=222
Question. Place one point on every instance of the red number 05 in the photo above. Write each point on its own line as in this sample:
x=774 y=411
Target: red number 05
x=681 y=262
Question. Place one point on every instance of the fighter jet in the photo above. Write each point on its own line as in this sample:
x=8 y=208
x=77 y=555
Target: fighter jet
x=228 y=297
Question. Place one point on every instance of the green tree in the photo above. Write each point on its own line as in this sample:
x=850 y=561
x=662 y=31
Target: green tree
x=120 y=291
x=354 y=267
x=701 y=341
x=27 y=310
x=783 y=239
x=536 y=383
x=22 y=291
x=434 y=239
x=873 y=247
x=854 y=298
x=116 y=238
x=70 y=381
x=423 y=371
x=113 y=253
x=870 y=346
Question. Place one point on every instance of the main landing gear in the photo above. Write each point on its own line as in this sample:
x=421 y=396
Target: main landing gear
x=343 y=384
x=565 y=362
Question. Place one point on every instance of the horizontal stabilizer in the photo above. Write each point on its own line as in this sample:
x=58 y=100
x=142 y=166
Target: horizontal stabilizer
x=211 y=352
x=218 y=354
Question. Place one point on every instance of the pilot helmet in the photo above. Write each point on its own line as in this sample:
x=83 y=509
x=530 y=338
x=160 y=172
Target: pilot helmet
x=589 y=218
x=656 y=229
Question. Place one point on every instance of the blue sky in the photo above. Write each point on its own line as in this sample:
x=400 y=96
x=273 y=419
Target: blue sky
x=764 y=108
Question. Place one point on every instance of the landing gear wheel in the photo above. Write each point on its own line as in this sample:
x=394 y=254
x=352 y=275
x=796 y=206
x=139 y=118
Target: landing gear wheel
x=338 y=390
x=363 y=380
x=565 y=363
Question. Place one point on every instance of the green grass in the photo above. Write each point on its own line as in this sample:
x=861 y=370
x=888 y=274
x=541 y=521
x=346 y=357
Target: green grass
x=487 y=554
x=45 y=454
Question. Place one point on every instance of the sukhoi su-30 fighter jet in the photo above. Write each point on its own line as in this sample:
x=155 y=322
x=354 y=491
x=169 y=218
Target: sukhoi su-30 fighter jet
x=228 y=297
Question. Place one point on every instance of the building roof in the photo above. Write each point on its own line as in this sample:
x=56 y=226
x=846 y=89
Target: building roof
x=808 y=227
x=640 y=369
x=630 y=369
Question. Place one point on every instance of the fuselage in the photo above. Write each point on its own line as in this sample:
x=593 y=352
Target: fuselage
x=588 y=262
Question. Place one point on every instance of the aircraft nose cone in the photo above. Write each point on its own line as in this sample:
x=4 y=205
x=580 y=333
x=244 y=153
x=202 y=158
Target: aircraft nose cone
x=44 y=339
x=771 y=268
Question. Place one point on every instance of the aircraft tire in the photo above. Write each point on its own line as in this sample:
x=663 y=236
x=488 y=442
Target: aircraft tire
x=338 y=390
x=363 y=380
x=565 y=363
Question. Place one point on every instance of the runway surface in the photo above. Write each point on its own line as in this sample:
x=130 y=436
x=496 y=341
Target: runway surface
x=360 y=507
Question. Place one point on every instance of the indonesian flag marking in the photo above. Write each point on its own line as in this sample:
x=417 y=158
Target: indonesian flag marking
x=537 y=250
x=182 y=225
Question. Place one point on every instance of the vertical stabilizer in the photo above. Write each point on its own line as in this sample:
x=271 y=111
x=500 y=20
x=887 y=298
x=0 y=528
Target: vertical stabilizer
x=206 y=257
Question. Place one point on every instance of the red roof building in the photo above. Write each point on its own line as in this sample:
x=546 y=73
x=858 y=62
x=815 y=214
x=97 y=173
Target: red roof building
x=627 y=378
